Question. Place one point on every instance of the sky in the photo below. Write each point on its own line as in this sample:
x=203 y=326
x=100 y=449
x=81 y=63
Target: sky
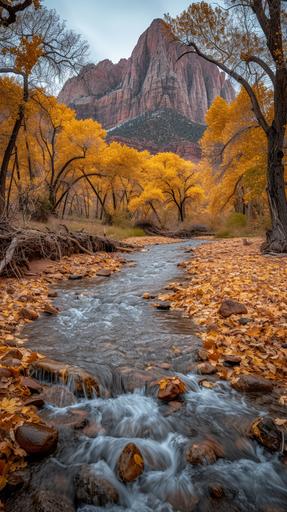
x=112 y=27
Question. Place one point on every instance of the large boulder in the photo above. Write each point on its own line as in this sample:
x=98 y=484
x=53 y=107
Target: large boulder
x=37 y=439
x=232 y=307
x=130 y=464
x=94 y=489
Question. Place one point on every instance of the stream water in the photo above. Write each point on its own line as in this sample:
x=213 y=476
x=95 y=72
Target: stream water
x=107 y=328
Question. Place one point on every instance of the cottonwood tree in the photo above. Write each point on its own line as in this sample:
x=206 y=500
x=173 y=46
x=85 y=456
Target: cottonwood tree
x=247 y=40
x=39 y=49
x=234 y=157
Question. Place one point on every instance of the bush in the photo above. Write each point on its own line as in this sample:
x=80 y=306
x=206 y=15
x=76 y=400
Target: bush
x=236 y=221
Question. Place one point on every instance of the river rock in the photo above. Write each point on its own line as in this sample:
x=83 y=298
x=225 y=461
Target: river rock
x=252 y=384
x=104 y=273
x=13 y=353
x=37 y=439
x=50 y=310
x=52 y=294
x=59 y=396
x=266 y=432
x=48 y=501
x=201 y=355
x=75 y=277
x=204 y=452
x=130 y=464
x=84 y=383
x=206 y=369
x=231 y=360
x=35 y=401
x=31 y=384
x=216 y=490
x=94 y=489
x=163 y=306
x=170 y=388
x=232 y=307
x=5 y=372
x=29 y=314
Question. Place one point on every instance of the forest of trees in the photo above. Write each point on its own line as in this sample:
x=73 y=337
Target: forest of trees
x=55 y=164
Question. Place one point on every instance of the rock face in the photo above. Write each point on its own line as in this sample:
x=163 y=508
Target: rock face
x=145 y=91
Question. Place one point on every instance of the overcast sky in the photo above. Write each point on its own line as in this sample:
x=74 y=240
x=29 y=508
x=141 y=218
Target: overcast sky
x=112 y=27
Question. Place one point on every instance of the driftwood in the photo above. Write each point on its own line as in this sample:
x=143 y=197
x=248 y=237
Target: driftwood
x=195 y=230
x=19 y=246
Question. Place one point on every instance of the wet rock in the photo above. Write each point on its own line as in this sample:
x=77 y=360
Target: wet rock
x=5 y=372
x=94 y=489
x=252 y=384
x=170 y=388
x=104 y=273
x=75 y=277
x=266 y=432
x=37 y=439
x=73 y=419
x=29 y=314
x=148 y=296
x=231 y=360
x=48 y=501
x=50 y=310
x=173 y=407
x=31 y=384
x=84 y=383
x=59 y=396
x=52 y=294
x=130 y=464
x=244 y=320
x=163 y=306
x=204 y=452
x=35 y=401
x=13 y=353
x=216 y=490
x=206 y=369
x=201 y=355
x=232 y=307
x=93 y=429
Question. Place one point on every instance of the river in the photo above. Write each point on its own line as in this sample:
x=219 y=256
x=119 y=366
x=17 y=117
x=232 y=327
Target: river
x=106 y=327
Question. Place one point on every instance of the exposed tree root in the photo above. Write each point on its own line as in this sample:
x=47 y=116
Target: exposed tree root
x=19 y=246
x=196 y=230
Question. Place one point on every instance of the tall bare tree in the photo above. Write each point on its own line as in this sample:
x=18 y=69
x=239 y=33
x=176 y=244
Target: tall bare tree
x=9 y=9
x=247 y=39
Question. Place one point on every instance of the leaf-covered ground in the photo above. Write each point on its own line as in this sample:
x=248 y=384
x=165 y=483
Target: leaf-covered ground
x=22 y=301
x=229 y=269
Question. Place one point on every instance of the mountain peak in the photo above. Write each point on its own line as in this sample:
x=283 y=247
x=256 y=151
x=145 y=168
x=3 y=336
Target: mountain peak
x=152 y=80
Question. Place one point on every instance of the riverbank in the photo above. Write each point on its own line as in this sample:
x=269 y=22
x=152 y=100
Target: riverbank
x=22 y=301
x=253 y=341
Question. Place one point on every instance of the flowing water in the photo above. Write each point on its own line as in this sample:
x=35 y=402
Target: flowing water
x=107 y=328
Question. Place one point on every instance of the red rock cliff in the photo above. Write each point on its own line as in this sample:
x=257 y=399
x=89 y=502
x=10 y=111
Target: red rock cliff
x=151 y=80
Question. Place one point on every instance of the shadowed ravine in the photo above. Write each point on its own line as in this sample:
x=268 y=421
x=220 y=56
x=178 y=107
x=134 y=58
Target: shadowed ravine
x=107 y=328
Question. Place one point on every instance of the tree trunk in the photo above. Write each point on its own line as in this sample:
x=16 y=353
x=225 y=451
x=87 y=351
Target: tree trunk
x=276 y=237
x=10 y=147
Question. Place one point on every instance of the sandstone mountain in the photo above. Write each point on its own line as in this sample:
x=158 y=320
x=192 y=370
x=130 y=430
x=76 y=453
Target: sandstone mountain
x=151 y=100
